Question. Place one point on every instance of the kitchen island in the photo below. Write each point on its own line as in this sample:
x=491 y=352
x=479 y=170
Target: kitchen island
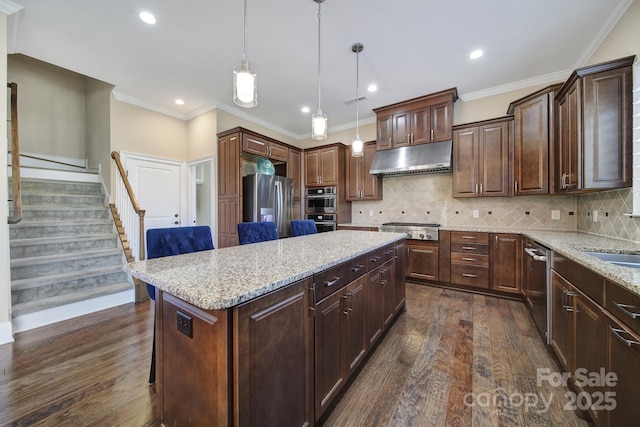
x=269 y=333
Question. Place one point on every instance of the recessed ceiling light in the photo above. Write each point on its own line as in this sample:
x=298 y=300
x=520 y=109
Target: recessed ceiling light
x=147 y=17
x=372 y=87
x=305 y=109
x=476 y=54
x=179 y=101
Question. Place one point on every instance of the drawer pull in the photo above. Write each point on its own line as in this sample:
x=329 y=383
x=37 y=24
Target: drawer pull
x=469 y=248
x=469 y=275
x=624 y=307
x=617 y=333
x=375 y=259
x=333 y=282
x=357 y=268
x=469 y=259
x=469 y=237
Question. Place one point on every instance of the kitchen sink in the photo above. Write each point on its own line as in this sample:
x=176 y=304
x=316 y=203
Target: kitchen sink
x=624 y=260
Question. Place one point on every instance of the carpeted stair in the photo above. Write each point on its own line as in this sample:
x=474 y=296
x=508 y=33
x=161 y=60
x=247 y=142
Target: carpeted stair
x=65 y=249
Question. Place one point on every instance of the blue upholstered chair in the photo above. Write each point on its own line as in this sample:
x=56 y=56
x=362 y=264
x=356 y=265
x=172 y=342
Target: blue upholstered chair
x=300 y=227
x=163 y=242
x=254 y=232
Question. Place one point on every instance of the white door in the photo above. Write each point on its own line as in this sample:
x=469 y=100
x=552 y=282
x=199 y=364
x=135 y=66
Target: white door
x=156 y=185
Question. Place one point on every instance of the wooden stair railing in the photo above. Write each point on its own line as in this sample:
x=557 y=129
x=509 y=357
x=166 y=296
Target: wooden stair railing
x=140 y=287
x=15 y=158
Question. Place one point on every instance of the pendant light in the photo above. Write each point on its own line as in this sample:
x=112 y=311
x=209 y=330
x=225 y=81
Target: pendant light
x=319 y=119
x=357 y=146
x=245 y=80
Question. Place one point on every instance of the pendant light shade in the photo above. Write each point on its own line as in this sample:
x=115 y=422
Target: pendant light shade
x=357 y=146
x=319 y=119
x=245 y=80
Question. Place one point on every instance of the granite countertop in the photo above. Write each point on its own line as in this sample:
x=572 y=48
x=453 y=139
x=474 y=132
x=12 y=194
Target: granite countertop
x=573 y=244
x=223 y=278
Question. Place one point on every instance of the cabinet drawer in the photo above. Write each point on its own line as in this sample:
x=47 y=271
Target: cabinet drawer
x=470 y=275
x=470 y=259
x=469 y=248
x=380 y=256
x=469 y=237
x=331 y=280
x=623 y=304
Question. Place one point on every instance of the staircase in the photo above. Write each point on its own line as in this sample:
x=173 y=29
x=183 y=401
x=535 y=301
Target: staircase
x=65 y=256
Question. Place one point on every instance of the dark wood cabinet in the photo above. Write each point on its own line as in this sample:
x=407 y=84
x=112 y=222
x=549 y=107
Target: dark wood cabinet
x=505 y=259
x=594 y=128
x=323 y=166
x=264 y=147
x=274 y=358
x=422 y=259
x=417 y=121
x=561 y=319
x=481 y=158
x=470 y=259
x=354 y=301
x=361 y=185
x=294 y=171
x=389 y=287
x=533 y=155
x=375 y=305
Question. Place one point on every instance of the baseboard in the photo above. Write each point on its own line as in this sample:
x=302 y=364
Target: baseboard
x=69 y=311
x=6 y=335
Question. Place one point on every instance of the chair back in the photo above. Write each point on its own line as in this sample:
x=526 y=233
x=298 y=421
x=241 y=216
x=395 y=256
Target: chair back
x=163 y=242
x=254 y=232
x=300 y=227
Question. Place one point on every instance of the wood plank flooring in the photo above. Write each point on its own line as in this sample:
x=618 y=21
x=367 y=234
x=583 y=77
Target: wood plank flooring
x=92 y=371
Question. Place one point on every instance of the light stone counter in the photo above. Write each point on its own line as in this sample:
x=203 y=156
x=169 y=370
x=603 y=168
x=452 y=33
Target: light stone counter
x=223 y=278
x=573 y=244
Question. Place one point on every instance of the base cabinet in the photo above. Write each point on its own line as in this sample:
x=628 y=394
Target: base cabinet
x=505 y=260
x=422 y=259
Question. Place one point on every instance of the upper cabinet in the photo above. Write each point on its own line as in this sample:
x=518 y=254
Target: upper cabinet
x=416 y=121
x=264 y=147
x=361 y=185
x=533 y=143
x=322 y=166
x=481 y=158
x=593 y=128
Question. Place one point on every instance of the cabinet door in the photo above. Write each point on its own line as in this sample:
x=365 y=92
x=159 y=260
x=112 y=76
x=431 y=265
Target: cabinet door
x=506 y=263
x=531 y=147
x=607 y=129
x=329 y=166
x=465 y=162
x=389 y=287
x=623 y=359
x=422 y=260
x=569 y=137
x=255 y=145
x=401 y=127
x=312 y=168
x=228 y=217
x=420 y=128
x=384 y=132
x=441 y=119
x=229 y=166
x=493 y=158
x=354 y=177
x=589 y=334
x=329 y=351
x=400 y=272
x=274 y=341
x=375 y=307
x=561 y=319
x=355 y=334
x=293 y=172
x=277 y=152
x=371 y=184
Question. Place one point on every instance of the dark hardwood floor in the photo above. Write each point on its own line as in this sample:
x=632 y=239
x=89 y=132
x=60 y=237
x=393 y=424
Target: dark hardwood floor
x=449 y=348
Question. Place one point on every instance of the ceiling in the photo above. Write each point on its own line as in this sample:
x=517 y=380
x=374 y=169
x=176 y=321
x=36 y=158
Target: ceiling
x=411 y=48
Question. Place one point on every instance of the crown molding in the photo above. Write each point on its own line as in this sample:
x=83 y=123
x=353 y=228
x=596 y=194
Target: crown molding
x=148 y=105
x=556 y=77
x=9 y=7
x=231 y=110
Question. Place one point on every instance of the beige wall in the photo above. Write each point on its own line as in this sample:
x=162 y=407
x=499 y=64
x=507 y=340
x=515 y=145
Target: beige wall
x=367 y=133
x=201 y=136
x=228 y=121
x=51 y=101
x=5 y=272
x=98 y=141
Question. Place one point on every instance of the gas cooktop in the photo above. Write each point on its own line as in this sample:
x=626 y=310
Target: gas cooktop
x=413 y=230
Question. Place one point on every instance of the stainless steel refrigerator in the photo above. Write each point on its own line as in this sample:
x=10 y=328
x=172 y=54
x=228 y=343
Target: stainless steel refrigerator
x=268 y=198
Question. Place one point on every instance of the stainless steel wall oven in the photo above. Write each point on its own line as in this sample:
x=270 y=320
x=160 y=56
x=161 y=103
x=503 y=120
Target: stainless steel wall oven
x=321 y=200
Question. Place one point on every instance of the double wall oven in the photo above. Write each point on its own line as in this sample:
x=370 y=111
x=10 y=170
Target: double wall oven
x=320 y=206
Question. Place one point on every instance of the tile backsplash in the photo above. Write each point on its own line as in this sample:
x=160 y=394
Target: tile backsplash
x=609 y=219
x=428 y=198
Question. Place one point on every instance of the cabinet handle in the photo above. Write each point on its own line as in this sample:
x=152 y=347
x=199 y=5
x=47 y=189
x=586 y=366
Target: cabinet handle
x=469 y=248
x=476 y=190
x=469 y=275
x=469 y=259
x=480 y=188
x=333 y=282
x=515 y=187
x=624 y=307
x=496 y=241
x=375 y=259
x=255 y=141
x=469 y=237
x=568 y=308
x=357 y=268
x=564 y=181
x=432 y=134
x=617 y=333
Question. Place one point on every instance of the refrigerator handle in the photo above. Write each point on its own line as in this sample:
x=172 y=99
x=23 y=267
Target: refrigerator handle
x=279 y=203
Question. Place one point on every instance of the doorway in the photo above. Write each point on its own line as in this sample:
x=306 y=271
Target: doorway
x=201 y=192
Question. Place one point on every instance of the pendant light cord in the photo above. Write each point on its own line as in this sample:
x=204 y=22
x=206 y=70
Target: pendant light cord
x=319 y=94
x=244 y=35
x=357 y=92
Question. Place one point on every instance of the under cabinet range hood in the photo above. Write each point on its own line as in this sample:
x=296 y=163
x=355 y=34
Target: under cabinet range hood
x=434 y=157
